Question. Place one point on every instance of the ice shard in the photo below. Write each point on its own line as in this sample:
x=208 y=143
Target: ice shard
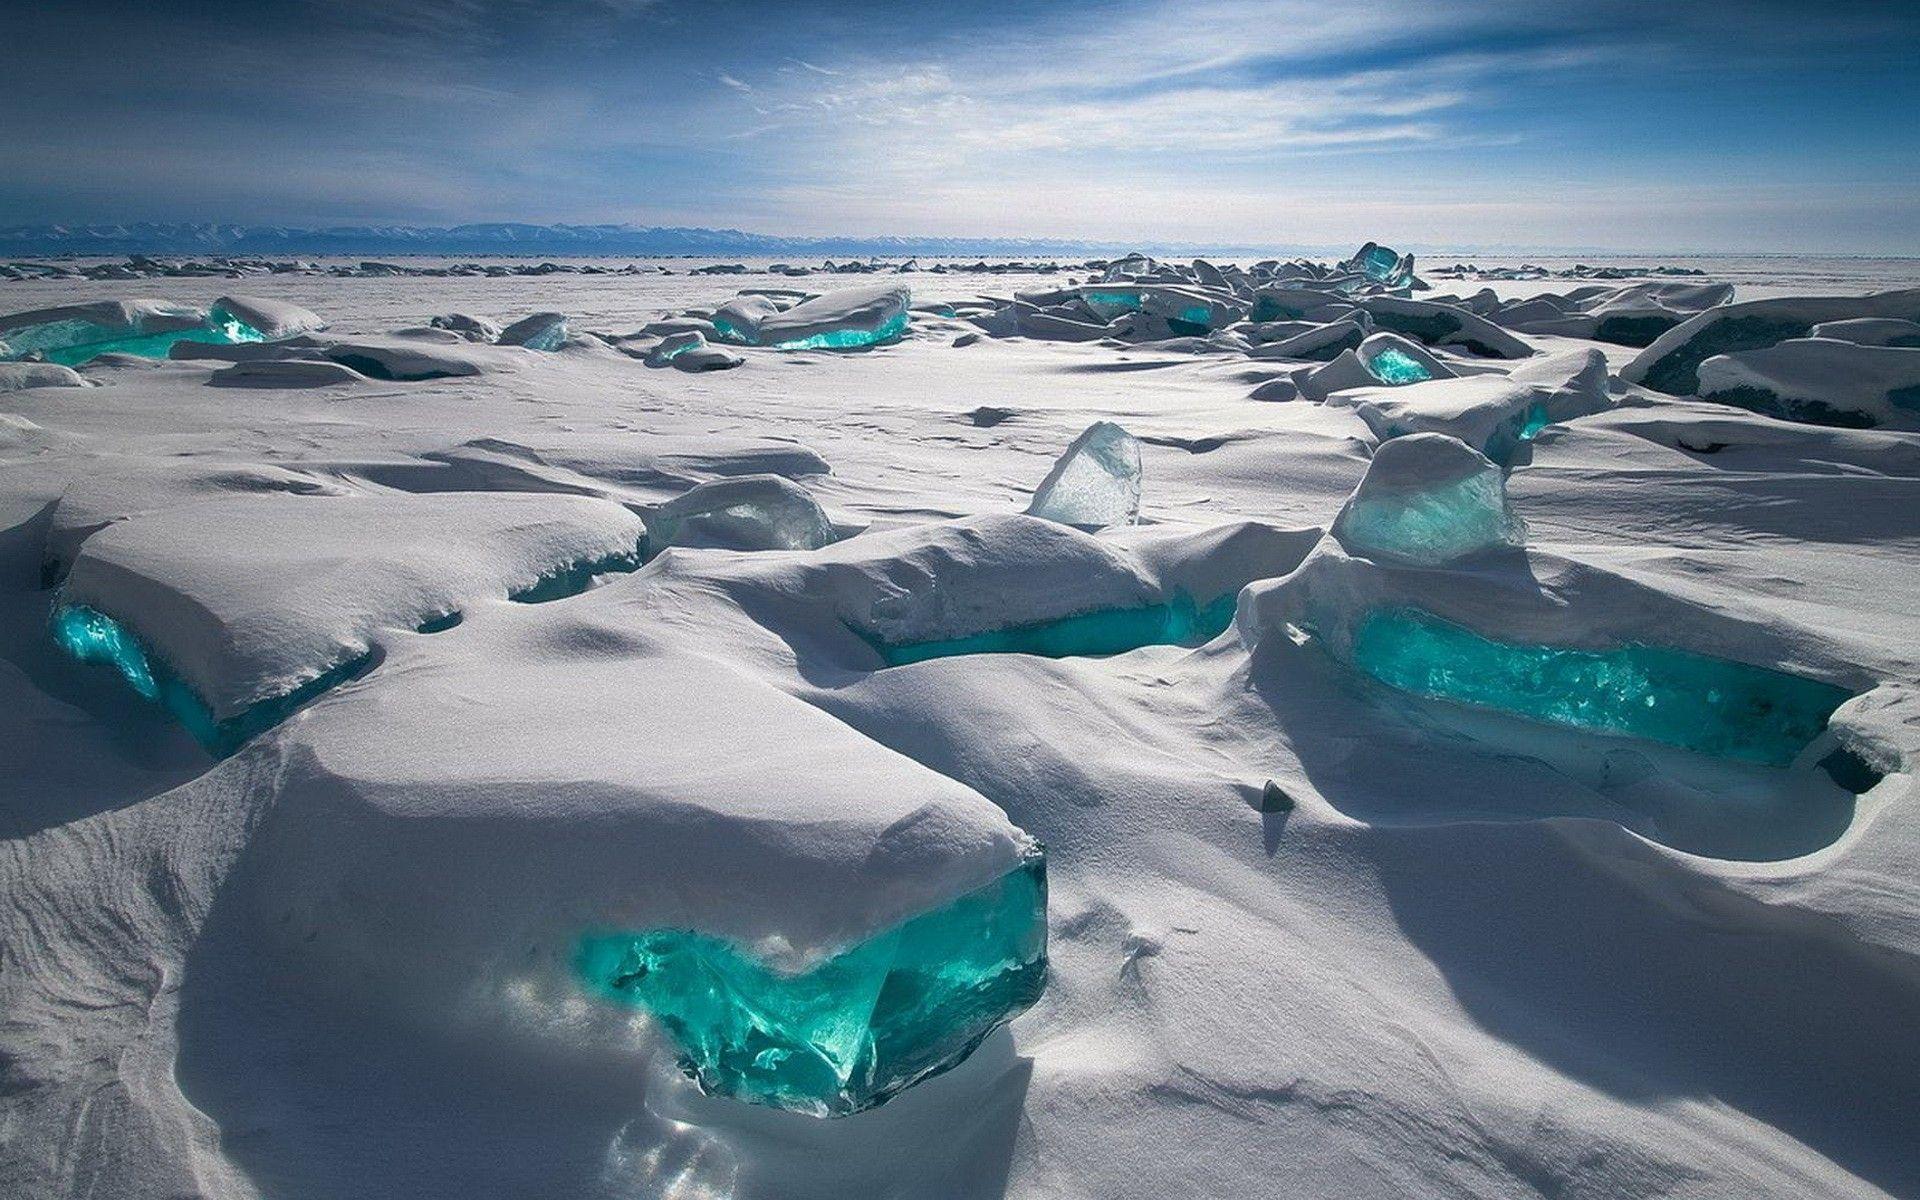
x=1383 y=265
x=853 y=1031
x=1428 y=499
x=1710 y=705
x=1095 y=483
x=744 y=512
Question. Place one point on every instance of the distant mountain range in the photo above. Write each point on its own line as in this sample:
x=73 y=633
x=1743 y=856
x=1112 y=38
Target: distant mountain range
x=495 y=239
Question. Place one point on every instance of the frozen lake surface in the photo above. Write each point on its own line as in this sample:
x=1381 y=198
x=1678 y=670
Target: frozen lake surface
x=1535 y=817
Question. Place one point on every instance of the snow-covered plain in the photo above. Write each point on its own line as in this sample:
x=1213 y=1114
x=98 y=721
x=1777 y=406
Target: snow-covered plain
x=1308 y=934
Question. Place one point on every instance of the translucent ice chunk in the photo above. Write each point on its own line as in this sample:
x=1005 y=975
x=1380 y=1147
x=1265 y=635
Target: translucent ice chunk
x=93 y=637
x=745 y=512
x=858 y=1028
x=1397 y=367
x=1710 y=705
x=1109 y=631
x=1427 y=499
x=849 y=339
x=541 y=331
x=1095 y=483
x=1382 y=265
x=1108 y=303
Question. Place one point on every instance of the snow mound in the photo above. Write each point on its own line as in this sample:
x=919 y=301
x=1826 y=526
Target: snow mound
x=404 y=359
x=19 y=376
x=285 y=373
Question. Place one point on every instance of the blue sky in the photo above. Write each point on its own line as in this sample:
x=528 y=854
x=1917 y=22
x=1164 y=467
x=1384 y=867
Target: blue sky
x=1739 y=127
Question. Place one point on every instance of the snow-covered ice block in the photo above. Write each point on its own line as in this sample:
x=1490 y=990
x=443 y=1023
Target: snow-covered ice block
x=541 y=331
x=472 y=328
x=745 y=512
x=1870 y=331
x=813 y=928
x=273 y=320
x=738 y=320
x=50 y=330
x=1095 y=483
x=1345 y=373
x=1672 y=362
x=1428 y=499
x=286 y=373
x=1444 y=325
x=846 y=319
x=248 y=598
x=687 y=350
x=1323 y=343
x=406 y=359
x=1820 y=381
x=19 y=376
x=76 y=333
x=1187 y=310
x=120 y=487
x=1489 y=413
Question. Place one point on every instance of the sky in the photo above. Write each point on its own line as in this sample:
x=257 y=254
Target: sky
x=1737 y=126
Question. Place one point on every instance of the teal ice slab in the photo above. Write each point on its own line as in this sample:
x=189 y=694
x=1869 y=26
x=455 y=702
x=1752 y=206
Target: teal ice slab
x=222 y=329
x=1682 y=699
x=90 y=636
x=1109 y=631
x=1397 y=367
x=850 y=339
x=856 y=1029
x=574 y=578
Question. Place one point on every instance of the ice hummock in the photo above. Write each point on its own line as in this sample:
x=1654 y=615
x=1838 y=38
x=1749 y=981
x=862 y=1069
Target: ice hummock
x=1822 y=381
x=1671 y=362
x=853 y=1031
x=847 y=319
x=1095 y=483
x=77 y=333
x=1427 y=499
